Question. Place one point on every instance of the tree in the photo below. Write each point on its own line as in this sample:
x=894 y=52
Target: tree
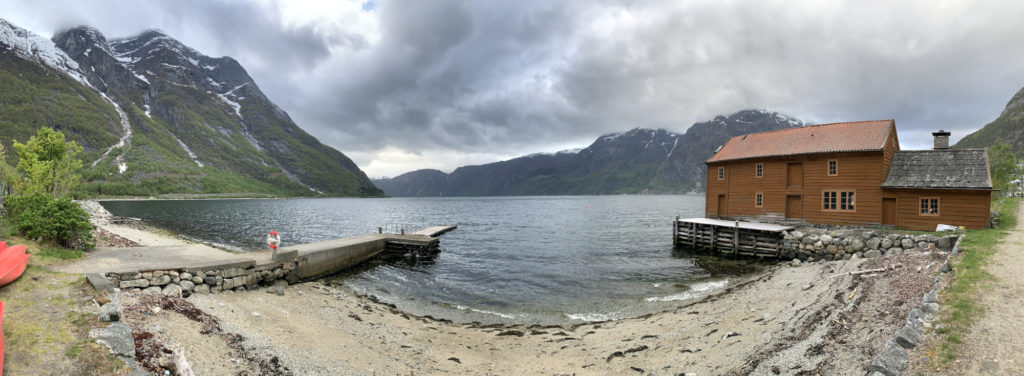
x=49 y=164
x=8 y=176
x=1002 y=165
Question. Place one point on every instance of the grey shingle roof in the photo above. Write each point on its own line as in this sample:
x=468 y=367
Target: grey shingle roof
x=945 y=169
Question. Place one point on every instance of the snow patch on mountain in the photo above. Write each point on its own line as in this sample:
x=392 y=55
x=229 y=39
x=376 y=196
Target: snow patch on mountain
x=188 y=151
x=34 y=47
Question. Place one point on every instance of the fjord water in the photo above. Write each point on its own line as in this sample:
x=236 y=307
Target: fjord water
x=543 y=260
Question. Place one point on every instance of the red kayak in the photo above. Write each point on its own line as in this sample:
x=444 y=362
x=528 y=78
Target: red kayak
x=1 y=338
x=13 y=261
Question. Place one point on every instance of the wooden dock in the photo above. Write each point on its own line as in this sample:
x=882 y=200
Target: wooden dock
x=729 y=237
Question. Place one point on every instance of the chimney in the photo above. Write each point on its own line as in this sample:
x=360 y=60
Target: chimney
x=941 y=140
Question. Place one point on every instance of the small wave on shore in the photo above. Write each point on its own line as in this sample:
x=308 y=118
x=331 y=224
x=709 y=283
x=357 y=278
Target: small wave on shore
x=592 y=317
x=696 y=291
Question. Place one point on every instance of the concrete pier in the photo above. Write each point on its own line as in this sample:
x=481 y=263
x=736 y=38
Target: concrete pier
x=298 y=262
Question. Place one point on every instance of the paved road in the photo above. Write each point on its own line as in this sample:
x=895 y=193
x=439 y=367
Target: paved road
x=123 y=260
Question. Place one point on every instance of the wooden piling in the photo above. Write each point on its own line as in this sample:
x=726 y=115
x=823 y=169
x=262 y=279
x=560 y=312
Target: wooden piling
x=746 y=238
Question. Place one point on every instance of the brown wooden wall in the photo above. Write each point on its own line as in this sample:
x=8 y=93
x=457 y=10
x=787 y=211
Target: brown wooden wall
x=892 y=145
x=859 y=172
x=959 y=208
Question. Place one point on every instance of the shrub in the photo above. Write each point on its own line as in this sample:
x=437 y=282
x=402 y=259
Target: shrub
x=57 y=220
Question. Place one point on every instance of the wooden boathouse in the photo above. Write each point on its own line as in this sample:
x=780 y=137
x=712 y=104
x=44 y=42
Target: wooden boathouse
x=851 y=173
x=729 y=237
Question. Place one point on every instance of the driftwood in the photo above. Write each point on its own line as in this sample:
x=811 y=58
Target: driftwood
x=885 y=269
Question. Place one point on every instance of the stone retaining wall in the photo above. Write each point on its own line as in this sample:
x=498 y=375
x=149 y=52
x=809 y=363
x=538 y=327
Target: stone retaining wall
x=814 y=244
x=205 y=280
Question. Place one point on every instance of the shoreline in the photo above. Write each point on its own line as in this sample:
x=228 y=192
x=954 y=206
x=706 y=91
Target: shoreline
x=790 y=319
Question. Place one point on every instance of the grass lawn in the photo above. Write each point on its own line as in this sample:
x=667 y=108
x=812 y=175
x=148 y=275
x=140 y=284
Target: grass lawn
x=47 y=318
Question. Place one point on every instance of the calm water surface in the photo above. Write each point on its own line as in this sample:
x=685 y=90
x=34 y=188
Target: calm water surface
x=545 y=260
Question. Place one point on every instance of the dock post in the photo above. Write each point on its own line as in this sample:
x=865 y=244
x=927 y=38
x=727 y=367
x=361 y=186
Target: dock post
x=713 y=240
x=380 y=230
x=675 y=231
x=693 y=235
x=403 y=231
x=736 y=239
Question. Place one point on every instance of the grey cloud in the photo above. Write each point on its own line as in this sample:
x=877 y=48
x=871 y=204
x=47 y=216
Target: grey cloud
x=505 y=78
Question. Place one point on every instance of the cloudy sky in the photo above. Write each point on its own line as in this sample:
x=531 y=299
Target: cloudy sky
x=403 y=85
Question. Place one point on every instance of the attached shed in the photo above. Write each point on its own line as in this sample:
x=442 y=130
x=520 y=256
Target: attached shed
x=927 y=187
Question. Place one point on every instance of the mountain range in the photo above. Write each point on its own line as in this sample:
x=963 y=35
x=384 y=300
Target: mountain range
x=1008 y=127
x=636 y=161
x=155 y=116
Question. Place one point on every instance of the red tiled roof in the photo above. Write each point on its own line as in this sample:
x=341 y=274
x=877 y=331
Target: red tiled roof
x=823 y=138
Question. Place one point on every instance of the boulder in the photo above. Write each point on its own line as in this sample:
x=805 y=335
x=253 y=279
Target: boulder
x=202 y=289
x=832 y=249
x=210 y=280
x=893 y=251
x=185 y=276
x=795 y=262
x=909 y=337
x=117 y=337
x=797 y=235
x=930 y=297
x=161 y=280
x=922 y=245
x=187 y=285
x=886 y=243
x=867 y=235
x=110 y=312
x=930 y=308
x=908 y=243
x=893 y=237
x=197 y=280
x=856 y=245
x=873 y=243
x=891 y=361
x=140 y=283
x=872 y=253
x=99 y=282
x=825 y=239
x=172 y=289
x=152 y=290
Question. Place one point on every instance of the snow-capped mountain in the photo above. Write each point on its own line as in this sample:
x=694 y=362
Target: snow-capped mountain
x=156 y=116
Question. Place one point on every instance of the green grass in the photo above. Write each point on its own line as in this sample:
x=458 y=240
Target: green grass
x=59 y=253
x=962 y=298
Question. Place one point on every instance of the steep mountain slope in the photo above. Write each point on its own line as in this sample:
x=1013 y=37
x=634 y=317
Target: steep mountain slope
x=40 y=85
x=163 y=118
x=637 y=161
x=1009 y=127
x=685 y=169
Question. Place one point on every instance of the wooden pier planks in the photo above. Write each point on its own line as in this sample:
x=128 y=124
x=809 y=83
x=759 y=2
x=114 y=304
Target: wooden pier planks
x=730 y=237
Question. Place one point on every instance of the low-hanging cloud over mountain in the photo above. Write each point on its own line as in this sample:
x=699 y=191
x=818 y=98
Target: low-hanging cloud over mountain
x=437 y=84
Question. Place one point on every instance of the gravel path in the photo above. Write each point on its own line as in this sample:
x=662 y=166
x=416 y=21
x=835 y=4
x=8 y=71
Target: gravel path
x=995 y=345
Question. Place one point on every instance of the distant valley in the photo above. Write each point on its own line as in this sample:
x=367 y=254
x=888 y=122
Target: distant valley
x=636 y=161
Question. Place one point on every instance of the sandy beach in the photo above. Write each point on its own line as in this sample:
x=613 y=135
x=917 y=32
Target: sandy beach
x=807 y=319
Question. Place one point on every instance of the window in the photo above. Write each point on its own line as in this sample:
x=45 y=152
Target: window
x=759 y=200
x=721 y=173
x=760 y=170
x=930 y=206
x=838 y=201
x=833 y=167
